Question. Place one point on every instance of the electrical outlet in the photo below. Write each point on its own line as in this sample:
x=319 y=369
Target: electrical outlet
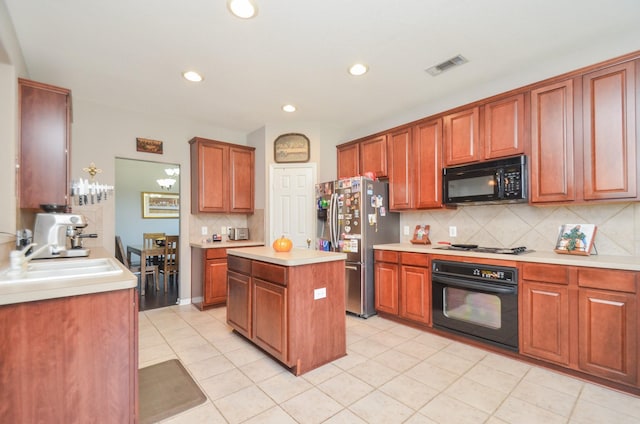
x=204 y=230
x=453 y=231
x=223 y=230
x=406 y=230
x=319 y=293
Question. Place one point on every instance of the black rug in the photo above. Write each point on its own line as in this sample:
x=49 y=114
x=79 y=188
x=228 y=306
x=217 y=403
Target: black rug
x=166 y=389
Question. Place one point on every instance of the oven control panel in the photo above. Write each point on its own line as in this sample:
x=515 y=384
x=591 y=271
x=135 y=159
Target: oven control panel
x=475 y=271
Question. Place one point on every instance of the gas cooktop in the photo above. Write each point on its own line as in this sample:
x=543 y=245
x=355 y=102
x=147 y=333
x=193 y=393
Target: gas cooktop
x=475 y=248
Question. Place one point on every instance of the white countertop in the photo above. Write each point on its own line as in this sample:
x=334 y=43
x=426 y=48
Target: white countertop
x=11 y=293
x=225 y=244
x=295 y=257
x=631 y=263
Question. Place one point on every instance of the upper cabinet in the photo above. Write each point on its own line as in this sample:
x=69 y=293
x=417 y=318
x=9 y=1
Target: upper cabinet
x=609 y=122
x=462 y=137
x=583 y=137
x=369 y=155
x=222 y=177
x=45 y=134
x=504 y=127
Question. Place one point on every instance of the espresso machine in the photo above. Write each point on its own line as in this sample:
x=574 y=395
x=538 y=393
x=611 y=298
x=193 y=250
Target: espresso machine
x=62 y=232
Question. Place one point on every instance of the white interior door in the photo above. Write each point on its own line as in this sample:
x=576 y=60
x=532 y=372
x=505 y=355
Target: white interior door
x=292 y=201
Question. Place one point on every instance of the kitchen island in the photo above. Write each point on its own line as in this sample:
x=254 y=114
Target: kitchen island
x=69 y=346
x=290 y=304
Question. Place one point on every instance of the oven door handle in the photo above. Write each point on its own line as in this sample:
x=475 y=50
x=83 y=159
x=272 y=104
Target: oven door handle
x=477 y=285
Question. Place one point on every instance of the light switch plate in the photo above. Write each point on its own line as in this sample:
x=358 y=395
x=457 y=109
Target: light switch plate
x=204 y=230
x=406 y=230
x=319 y=293
x=453 y=231
x=223 y=230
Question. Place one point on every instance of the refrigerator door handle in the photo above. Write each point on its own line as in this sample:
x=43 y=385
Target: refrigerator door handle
x=354 y=268
x=333 y=228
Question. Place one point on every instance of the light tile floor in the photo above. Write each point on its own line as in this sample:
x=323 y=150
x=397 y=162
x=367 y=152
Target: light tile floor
x=392 y=374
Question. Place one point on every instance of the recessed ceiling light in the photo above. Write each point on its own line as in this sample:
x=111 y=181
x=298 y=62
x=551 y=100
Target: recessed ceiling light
x=244 y=9
x=358 y=69
x=192 y=76
x=289 y=108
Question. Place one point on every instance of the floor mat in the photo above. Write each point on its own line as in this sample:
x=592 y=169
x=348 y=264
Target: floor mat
x=166 y=389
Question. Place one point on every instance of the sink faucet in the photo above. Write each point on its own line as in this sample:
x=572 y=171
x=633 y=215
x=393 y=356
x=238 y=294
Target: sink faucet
x=19 y=260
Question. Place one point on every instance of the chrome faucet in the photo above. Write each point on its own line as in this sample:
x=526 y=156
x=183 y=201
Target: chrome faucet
x=19 y=260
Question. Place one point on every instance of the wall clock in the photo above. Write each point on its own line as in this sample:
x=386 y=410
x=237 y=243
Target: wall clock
x=292 y=147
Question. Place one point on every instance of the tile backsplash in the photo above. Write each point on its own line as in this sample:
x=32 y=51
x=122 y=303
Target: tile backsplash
x=214 y=223
x=536 y=227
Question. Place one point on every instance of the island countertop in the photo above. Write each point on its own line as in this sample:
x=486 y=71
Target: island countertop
x=629 y=263
x=295 y=257
x=19 y=292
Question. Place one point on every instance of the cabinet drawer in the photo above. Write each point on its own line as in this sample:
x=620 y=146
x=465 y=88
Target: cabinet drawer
x=557 y=274
x=270 y=272
x=241 y=265
x=386 y=256
x=418 y=259
x=607 y=279
x=216 y=253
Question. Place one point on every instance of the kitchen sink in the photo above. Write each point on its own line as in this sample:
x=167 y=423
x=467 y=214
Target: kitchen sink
x=51 y=269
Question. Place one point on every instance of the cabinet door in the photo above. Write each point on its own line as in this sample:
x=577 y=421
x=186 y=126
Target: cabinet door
x=44 y=144
x=609 y=117
x=427 y=164
x=270 y=318
x=373 y=154
x=545 y=321
x=552 y=144
x=608 y=334
x=239 y=302
x=400 y=169
x=504 y=122
x=386 y=287
x=215 y=282
x=462 y=137
x=209 y=177
x=415 y=293
x=241 y=175
x=348 y=160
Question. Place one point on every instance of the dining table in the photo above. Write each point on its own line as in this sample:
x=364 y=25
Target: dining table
x=144 y=253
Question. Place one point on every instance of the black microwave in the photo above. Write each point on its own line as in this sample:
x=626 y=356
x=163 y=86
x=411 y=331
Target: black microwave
x=497 y=181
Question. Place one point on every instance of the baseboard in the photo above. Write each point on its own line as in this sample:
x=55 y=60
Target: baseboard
x=182 y=301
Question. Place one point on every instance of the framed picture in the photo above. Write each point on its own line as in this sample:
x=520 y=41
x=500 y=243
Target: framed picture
x=575 y=239
x=421 y=234
x=160 y=205
x=290 y=148
x=148 y=146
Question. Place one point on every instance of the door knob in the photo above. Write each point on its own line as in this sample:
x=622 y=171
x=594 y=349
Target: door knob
x=308 y=243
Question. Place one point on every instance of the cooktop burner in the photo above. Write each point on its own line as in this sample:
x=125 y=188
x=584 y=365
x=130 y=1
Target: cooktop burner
x=499 y=250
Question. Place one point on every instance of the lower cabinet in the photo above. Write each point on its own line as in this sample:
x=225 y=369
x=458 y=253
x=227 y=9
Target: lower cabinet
x=70 y=360
x=208 y=277
x=582 y=318
x=403 y=285
x=294 y=313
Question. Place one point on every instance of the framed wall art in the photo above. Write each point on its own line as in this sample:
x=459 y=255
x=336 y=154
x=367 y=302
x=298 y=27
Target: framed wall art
x=148 y=146
x=160 y=205
x=290 y=148
x=575 y=239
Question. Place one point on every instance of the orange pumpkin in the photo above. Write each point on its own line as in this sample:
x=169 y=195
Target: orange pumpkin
x=282 y=244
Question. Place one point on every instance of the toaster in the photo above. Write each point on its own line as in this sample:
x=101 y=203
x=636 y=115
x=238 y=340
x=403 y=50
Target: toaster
x=238 y=234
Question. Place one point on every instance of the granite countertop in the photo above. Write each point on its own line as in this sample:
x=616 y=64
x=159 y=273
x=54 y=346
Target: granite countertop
x=225 y=244
x=19 y=292
x=630 y=263
x=295 y=257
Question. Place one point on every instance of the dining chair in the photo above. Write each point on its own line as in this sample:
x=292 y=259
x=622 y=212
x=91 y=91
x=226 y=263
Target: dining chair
x=169 y=267
x=150 y=241
x=135 y=268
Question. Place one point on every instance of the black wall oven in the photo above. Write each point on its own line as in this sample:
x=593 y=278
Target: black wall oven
x=476 y=301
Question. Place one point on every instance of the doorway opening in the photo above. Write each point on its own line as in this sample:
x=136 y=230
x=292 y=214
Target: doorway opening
x=143 y=204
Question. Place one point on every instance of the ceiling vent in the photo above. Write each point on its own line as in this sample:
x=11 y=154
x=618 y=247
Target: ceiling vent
x=447 y=64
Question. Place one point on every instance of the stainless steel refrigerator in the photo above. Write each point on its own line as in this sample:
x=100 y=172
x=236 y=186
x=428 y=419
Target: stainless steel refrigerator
x=353 y=215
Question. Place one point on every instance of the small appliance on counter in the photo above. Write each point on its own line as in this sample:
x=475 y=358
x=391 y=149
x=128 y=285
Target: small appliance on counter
x=53 y=229
x=238 y=233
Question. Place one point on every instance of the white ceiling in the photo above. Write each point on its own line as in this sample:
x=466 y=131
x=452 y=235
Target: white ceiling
x=131 y=53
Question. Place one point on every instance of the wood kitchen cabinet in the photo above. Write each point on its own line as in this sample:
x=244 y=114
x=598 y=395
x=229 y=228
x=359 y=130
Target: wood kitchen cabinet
x=45 y=149
x=222 y=177
x=294 y=313
x=71 y=359
x=544 y=312
x=208 y=277
x=386 y=273
x=462 y=137
x=609 y=122
x=415 y=166
x=348 y=160
x=504 y=127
